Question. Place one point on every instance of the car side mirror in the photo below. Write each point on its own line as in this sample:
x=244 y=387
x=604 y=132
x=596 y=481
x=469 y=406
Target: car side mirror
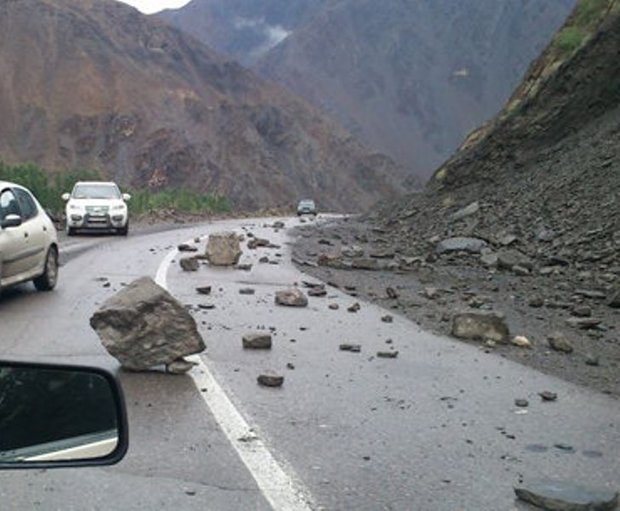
x=66 y=196
x=11 y=221
x=60 y=416
x=126 y=197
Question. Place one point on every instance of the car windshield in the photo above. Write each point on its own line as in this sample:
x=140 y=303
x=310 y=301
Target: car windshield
x=306 y=204
x=96 y=191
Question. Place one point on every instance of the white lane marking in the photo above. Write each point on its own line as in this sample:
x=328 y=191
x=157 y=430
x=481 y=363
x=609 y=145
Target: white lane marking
x=281 y=490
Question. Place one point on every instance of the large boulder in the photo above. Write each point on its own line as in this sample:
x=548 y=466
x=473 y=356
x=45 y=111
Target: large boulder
x=481 y=326
x=292 y=297
x=143 y=326
x=223 y=249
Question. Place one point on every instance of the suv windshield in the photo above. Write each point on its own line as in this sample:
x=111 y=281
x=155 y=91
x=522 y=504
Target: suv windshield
x=96 y=192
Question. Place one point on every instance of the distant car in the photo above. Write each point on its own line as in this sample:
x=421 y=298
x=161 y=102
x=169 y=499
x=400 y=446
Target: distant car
x=306 y=207
x=96 y=205
x=28 y=240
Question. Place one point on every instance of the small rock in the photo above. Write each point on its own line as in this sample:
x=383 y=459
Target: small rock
x=246 y=291
x=292 y=297
x=481 y=326
x=509 y=259
x=257 y=341
x=391 y=293
x=522 y=403
x=547 y=395
x=270 y=380
x=317 y=291
x=243 y=267
x=179 y=366
x=387 y=354
x=567 y=496
x=355 y=348
x=468 y=210
x=290 y=366
x=536 y=302
x=204 y=290
x=581 y=311
x=558 y=342
x=489 y=260
x=521 y=341
x=430 y=292
x=189 y=264
x=354 y=308
x=206 y=306
x=588 y=293
x=387 y=318
x=263 y=260
x=592 y=360
x=334 y=306
x=614 y=299
x=583 y=323
x=460 y=244
x=184 y=247
x=520 y=271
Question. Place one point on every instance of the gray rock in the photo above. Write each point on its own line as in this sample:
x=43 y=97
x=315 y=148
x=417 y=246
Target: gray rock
x=387 y=318
x=334 y=306
x=567 y=496
x=507 y=239
x=180 y=366
x=143 y=326
x=292 y=297
x=270 y=380
x=354 y=307
x=509 y=259
x=489 y=259
x=223 y=249
x=460 y=244
x=258 y=242
x=614 y=299
x=469 y=210
x=243 y=267
x=591 y=293
x=482 y=326
x=203 y=290
x=545 y=235
x=536 y=302
x=317 y=291
x=558 y=342
x=547 y=395
x=581 y=311
x=387 y=354
x=246 y=291
x=354 y=251
x=189 y=264
x=184 y=247
x=354 y=348
x=365 y=263
x=522 y=403
x=257 y=341
x=583 y=323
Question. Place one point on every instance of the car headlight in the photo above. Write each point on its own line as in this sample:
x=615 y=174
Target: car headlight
x=119 y=207
x=74 y=207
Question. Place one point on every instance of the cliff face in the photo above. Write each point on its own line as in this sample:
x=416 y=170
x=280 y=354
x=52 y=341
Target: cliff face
x=409 y=78
x=96 y=84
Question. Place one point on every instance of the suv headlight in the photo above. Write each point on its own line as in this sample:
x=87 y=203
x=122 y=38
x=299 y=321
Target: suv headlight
x=74 y=207
x=119 y=207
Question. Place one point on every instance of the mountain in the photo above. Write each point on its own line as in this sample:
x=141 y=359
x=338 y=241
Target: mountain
x=410 y=78
x=96 y=84
x=544 y=175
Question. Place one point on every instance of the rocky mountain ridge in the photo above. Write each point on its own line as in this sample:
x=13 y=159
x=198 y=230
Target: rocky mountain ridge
x=98 y=85
x=409 y=78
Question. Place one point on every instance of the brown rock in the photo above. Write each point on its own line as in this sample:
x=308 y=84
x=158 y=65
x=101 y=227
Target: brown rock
x=559 y=342
x=189 y=264
x=482 y=326
x=257 y=341
x=292 y=297
x=270 y=380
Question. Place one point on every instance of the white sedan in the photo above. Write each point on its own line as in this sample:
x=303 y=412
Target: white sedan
x=28 y=242
x=97 y=205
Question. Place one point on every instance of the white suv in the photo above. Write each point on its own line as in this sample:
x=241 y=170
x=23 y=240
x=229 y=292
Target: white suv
x=28 y=241
x=96 y=205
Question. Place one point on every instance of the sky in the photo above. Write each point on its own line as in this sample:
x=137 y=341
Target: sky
x=151 y=6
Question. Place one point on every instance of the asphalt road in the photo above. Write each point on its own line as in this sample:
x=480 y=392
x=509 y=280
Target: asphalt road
x=434 y=429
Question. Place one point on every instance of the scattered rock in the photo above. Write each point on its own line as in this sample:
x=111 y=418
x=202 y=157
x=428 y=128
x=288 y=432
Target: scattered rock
x=614 y=299
x=279 y=225
x=257 y=341
x=592 y=360
x=365 y=263
x=460 y=244
x=509 y=259
x=184 y=247
x=430 y=292
x=521 y=341
x=243 y=267
x=246 y=291
x=547 y=395
x=481 y=326
x=290 y=366
x=270 y=380
x=536 y=302
x=189 y=264
x=317 y=291
x=292 y=297
x=180 y=366
x=223 y=249
x=204 y=290
x=522 y=403
x=263 y=260
x=469 y=210
x=567 y=496
x=354 y=308
x=489 y=259
x=206 y=306
x=391 y=293
x=559 y=342
x=334 y=306
x=387 y=318
x=589 y=293
x=583 y=323
x=581 y=311
x=143 y=326
x=355 y=348
x=387 y=354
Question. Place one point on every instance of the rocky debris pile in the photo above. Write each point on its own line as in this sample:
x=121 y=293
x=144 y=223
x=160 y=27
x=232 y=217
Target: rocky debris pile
x=143 y=326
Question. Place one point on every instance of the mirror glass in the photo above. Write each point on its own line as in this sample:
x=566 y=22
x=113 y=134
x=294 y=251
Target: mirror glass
x=50 y=414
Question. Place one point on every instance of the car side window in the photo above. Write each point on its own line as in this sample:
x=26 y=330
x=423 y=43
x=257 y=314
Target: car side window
x=8 y=204
x=26 y=204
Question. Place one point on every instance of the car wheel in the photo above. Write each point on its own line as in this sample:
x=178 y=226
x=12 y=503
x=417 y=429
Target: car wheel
x=70 y=231
x=47 y=281
x=124 y=230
